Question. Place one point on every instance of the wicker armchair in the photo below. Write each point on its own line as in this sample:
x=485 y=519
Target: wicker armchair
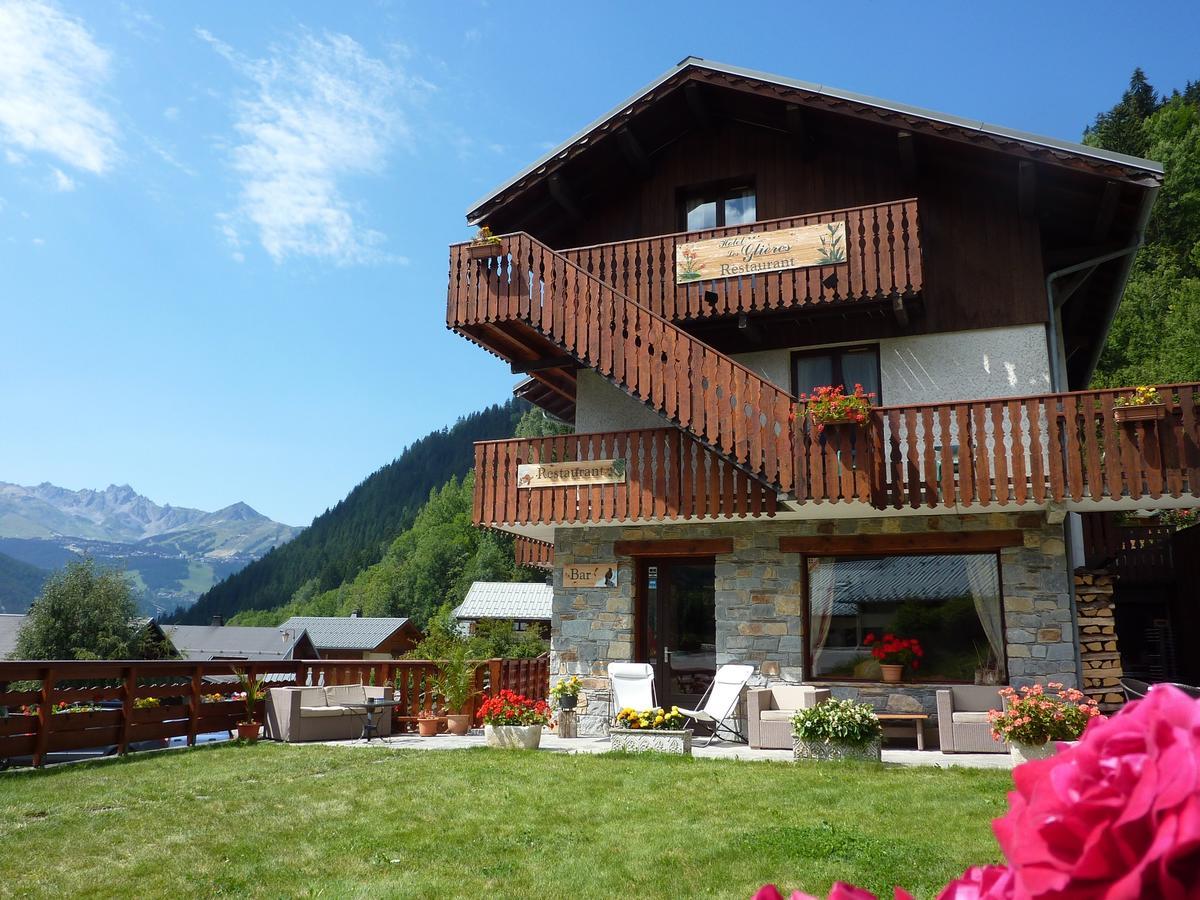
x=963 y=725
x=769 y=712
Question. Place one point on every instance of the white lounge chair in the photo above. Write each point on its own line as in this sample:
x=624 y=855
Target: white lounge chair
x=631 y=685
x=720 y=701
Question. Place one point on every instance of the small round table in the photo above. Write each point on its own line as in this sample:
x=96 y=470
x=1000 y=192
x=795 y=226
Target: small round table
x=371 y=708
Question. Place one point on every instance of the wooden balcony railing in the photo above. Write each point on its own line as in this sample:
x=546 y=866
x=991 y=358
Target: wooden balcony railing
x=669 y=475
x=883 y=261
x=533 y=554
x=188 y=694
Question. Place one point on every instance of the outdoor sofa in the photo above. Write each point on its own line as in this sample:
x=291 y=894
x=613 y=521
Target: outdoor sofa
x=962 y=716
x=321 y=714
x=769 y=712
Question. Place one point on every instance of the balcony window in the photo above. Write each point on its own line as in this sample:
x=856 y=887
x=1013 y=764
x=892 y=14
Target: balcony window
x=950 y=603
x=718 y=206
x=846 y=366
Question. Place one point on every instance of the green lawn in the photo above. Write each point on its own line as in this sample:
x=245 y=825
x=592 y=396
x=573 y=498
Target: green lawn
x=273 y=820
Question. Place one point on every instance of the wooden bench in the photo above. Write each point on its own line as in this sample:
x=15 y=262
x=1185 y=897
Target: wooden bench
x=918 y=719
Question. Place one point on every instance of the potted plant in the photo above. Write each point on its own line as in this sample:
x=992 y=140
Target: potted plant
x=512 y=721
x=656 y=730
x=1032 y=721
x=252 y=692
x=566 y=692
x=831 y=405
x=485 y=244
x=837 y=729
x=456 y=684
x=428 y=722
x=1142 y=405
x=894 y=655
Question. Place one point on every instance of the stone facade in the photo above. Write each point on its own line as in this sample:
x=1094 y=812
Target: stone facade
x=759 y=600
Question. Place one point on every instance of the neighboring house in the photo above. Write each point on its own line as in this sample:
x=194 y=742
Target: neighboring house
x=216 y=642
x=674 y=277
x=10 y=624
x=526 y=605
x=356 y=637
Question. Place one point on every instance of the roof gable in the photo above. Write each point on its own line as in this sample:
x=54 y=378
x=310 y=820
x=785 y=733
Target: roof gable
x=347 y=632
x=520 y=601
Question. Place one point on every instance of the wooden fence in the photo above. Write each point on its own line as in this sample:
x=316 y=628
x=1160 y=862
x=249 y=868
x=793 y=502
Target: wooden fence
x=194 y=698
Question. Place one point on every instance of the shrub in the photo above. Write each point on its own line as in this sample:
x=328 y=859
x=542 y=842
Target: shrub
x=838 y=721
x=1035 y=717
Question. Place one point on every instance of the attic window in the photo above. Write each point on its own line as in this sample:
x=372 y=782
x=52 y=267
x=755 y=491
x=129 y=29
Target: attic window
x=717 y=206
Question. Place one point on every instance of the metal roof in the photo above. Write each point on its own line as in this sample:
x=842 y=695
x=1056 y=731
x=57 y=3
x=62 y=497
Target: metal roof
x=861 y=582
x=894 y=106
x=10 y=624
x=346 y=632
x=205 y=642
x=506 y=600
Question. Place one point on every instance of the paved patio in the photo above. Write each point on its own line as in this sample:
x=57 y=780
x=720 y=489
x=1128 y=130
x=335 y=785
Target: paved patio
x=552 y=743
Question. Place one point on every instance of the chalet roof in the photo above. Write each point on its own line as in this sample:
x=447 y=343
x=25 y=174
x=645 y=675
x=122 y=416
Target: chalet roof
x=206 y=642
x=346 y=632
x=505 y=600
x=10 y=624
x=1010 y=140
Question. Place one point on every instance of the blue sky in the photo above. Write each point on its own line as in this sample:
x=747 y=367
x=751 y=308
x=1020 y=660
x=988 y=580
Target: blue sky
x=223 y=226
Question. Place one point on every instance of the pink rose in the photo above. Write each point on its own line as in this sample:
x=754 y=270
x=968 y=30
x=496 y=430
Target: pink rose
x=981 y=883
x=1117 y=816
x=840 y=891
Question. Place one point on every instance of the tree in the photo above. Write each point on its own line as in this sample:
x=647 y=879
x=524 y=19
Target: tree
x=1120 y=129
x=538 y=423
x=84 y=612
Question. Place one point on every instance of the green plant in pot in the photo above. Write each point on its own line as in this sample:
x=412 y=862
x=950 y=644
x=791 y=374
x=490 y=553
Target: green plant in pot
x=837 y=729
x=566 y=692
x=251 y=686
x=456 y=685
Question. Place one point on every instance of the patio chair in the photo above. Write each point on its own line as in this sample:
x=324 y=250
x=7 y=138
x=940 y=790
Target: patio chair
x=631 y=685
x=719 y=702
x=1134 y=689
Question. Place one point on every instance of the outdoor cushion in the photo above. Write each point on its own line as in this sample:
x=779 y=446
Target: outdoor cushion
x=312 y=696
x=969 y=718
x=309 y=712
x=776 y=715
x=345 y=693
x=790 y=696
x=975 y=698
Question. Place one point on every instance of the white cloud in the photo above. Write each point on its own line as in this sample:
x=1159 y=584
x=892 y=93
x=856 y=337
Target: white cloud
x=320 y=110
x=50 y=74
x=171 y=113
x=62 y=181
x=38 y=242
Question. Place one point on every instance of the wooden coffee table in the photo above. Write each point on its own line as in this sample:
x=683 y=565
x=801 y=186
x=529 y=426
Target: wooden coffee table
x=918 y=719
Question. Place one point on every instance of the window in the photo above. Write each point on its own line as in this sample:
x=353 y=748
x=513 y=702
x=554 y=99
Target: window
x=950 y=603
x=717 y=206
x=846 y=366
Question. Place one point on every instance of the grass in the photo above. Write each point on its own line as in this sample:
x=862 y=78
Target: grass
x=276 y=820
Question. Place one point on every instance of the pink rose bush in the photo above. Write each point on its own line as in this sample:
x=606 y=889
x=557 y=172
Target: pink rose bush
x=1115 y=817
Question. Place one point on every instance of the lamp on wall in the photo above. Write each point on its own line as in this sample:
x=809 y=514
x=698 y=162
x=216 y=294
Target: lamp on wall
x=770 y=668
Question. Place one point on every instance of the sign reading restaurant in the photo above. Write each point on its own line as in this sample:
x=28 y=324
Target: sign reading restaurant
x=592 y=471
x=761 y=251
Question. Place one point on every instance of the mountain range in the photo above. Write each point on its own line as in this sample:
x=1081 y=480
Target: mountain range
x=172 y=553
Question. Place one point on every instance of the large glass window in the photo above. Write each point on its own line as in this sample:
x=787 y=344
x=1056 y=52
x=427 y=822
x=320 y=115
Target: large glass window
x=950 y=603
x=718 y=207
x=846 y=366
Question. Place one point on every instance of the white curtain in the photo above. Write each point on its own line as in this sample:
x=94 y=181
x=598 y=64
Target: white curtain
x=985 y=591
x=821 y=585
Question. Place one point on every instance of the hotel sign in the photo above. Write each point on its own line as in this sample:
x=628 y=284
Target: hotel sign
x=761 y=251
x=594 y=471
x=599 y=575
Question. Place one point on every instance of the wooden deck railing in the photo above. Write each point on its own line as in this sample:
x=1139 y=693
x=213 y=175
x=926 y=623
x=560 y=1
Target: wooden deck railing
x=883 y=261
x=668 y=475
x=719 y=401
x=194 y=698
x=532 y=553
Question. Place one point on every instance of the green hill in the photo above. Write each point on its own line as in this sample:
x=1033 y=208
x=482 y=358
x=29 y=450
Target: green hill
x=344 y=540
x=19 y=584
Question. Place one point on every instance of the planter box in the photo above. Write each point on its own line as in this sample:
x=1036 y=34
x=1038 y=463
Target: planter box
x=513 y=737
x=485 y=251
x=1023 y=753
x=637 y=740
x=1147 y=412
x=823 y=750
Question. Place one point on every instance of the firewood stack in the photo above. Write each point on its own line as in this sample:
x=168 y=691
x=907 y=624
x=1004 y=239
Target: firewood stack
x=1098 y=637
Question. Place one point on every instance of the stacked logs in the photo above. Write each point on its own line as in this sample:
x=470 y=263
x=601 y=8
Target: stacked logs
x=1098 y=637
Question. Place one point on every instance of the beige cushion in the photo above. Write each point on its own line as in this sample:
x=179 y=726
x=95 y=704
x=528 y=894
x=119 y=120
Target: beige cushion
x=776 y=715
x=975 y=698
x=321 y=712
x=345 y=693
x=969 y=718
x=312 y=696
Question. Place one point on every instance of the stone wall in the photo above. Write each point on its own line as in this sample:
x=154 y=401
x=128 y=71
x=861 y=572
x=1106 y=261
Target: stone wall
x=759 y=601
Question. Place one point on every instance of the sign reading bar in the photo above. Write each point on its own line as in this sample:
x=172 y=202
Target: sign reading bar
x=761 y=251
x=590 y=471
x=599 y=575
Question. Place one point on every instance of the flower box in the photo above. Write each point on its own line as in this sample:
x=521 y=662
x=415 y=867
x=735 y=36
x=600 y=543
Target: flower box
x=842 y=420
x=652 y=740
x=833 y=750
x=513 y=737
x=1146 y=412
x=485 y=251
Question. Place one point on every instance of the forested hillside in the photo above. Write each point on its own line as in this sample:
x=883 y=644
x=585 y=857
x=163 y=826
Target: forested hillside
x=353 y=535
x=1155 y=337
x=19 y=584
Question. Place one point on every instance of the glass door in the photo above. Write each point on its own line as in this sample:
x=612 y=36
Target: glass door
x=678 y=610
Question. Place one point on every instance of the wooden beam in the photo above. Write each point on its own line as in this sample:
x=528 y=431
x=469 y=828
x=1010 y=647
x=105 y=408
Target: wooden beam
x=633 y=151
x=683 y=547
x=563 y=196
x=880 y=544
x=536 y=365
x=1027 y=188
x=1107 y=211
x=695 y=102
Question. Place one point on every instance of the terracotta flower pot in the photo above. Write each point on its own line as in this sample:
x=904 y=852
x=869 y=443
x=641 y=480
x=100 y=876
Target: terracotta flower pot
x=248 y=731
x=427 y=727
x=892 y=674
x=458 y=723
